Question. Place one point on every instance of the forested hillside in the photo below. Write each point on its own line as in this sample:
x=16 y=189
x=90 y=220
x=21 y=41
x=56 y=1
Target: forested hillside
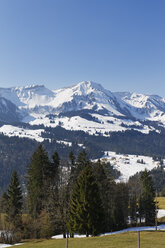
x=15 y=152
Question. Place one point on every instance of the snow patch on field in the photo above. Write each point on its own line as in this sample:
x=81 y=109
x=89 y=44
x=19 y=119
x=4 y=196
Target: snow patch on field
x=129 y=165
x=136 y=229
x=161 y=213
x=60 y=236
x=6 y=245
x=130 y=229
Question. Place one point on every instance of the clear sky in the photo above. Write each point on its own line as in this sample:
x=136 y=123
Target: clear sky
x=118 y=43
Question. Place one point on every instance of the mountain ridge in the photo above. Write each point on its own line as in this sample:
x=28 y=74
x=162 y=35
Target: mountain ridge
x=85 y=106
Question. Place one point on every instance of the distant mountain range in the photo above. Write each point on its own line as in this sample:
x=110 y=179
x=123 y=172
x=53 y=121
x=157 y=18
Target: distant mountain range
x=84 y=116
x=86 y=106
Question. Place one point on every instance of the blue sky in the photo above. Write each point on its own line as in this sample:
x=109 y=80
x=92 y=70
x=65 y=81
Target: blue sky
x=118 y=43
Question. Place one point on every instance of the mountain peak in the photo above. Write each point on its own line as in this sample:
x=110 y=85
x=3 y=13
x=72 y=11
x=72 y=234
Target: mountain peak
x=29 y=87
x=89 y=85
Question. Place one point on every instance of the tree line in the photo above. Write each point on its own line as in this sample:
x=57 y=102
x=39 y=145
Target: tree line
x=15 y=152
x=77 y=197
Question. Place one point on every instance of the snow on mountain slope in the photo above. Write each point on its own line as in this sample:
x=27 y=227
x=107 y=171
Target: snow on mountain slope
x=129 y=165
x=85 y=95
x=40 y=100
x=28 y=96
x=35 y=95
x=11 y=131
x=85 y=106
x=140 y=106
x=100 y=124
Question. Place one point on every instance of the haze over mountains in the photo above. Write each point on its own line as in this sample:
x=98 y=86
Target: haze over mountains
x=85 y=106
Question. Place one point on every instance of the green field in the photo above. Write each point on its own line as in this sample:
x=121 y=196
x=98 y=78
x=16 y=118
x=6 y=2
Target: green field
x=161 y=202
x=149 y=239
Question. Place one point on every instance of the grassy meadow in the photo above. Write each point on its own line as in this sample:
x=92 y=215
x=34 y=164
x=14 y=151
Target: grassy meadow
x=149 y=239
x=161 y=202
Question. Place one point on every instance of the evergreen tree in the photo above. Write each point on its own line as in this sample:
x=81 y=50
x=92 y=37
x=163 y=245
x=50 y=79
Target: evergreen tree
x=133 y=208
x=3 y=202
x=56 y=160
x=13 y=210
x=38 y=171
x=120 y=205
x=86 y=212
x=14 y=201
x=71 y=158
x=53 y=187
x=79 y=165
x=62 y=210
x=147 y=199
x=53 y=175
x=106 y=187
x=72 y=177
x=82 y=159
x=140 y=209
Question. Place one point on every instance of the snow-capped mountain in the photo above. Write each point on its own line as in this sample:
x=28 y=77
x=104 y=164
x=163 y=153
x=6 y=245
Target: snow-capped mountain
x=140 y=106
x=85 y=106
x=8 y=111
x=38 y=99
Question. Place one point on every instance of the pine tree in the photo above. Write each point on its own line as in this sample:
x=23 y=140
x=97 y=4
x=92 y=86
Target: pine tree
x=53 y=187
x=106 y=187
x=13 y=211
x=38 y=171
x=86 y=212
x=53 y=177
x=3 y=202
x=133 y=208
x=72 y=177
x=14 y=201
x=56 y=161
x=79 y=165
x=140 y=209
x=71 y=158
x=121 y=205
x=147 y=198
x=82 y=160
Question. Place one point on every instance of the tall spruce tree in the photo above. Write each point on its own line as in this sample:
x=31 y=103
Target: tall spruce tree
x=38 y=171
x=147 y=199
x=53 y=187
x=86 y=212
x=53 y=175
x=133 y=208
x=72 y=176
x=121 y=205
x=13 y=199
x=71 y=159
x=106 y=187
x=79 y=165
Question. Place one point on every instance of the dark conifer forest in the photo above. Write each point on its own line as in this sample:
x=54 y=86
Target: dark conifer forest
x=75 y=196
x=15 y=152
